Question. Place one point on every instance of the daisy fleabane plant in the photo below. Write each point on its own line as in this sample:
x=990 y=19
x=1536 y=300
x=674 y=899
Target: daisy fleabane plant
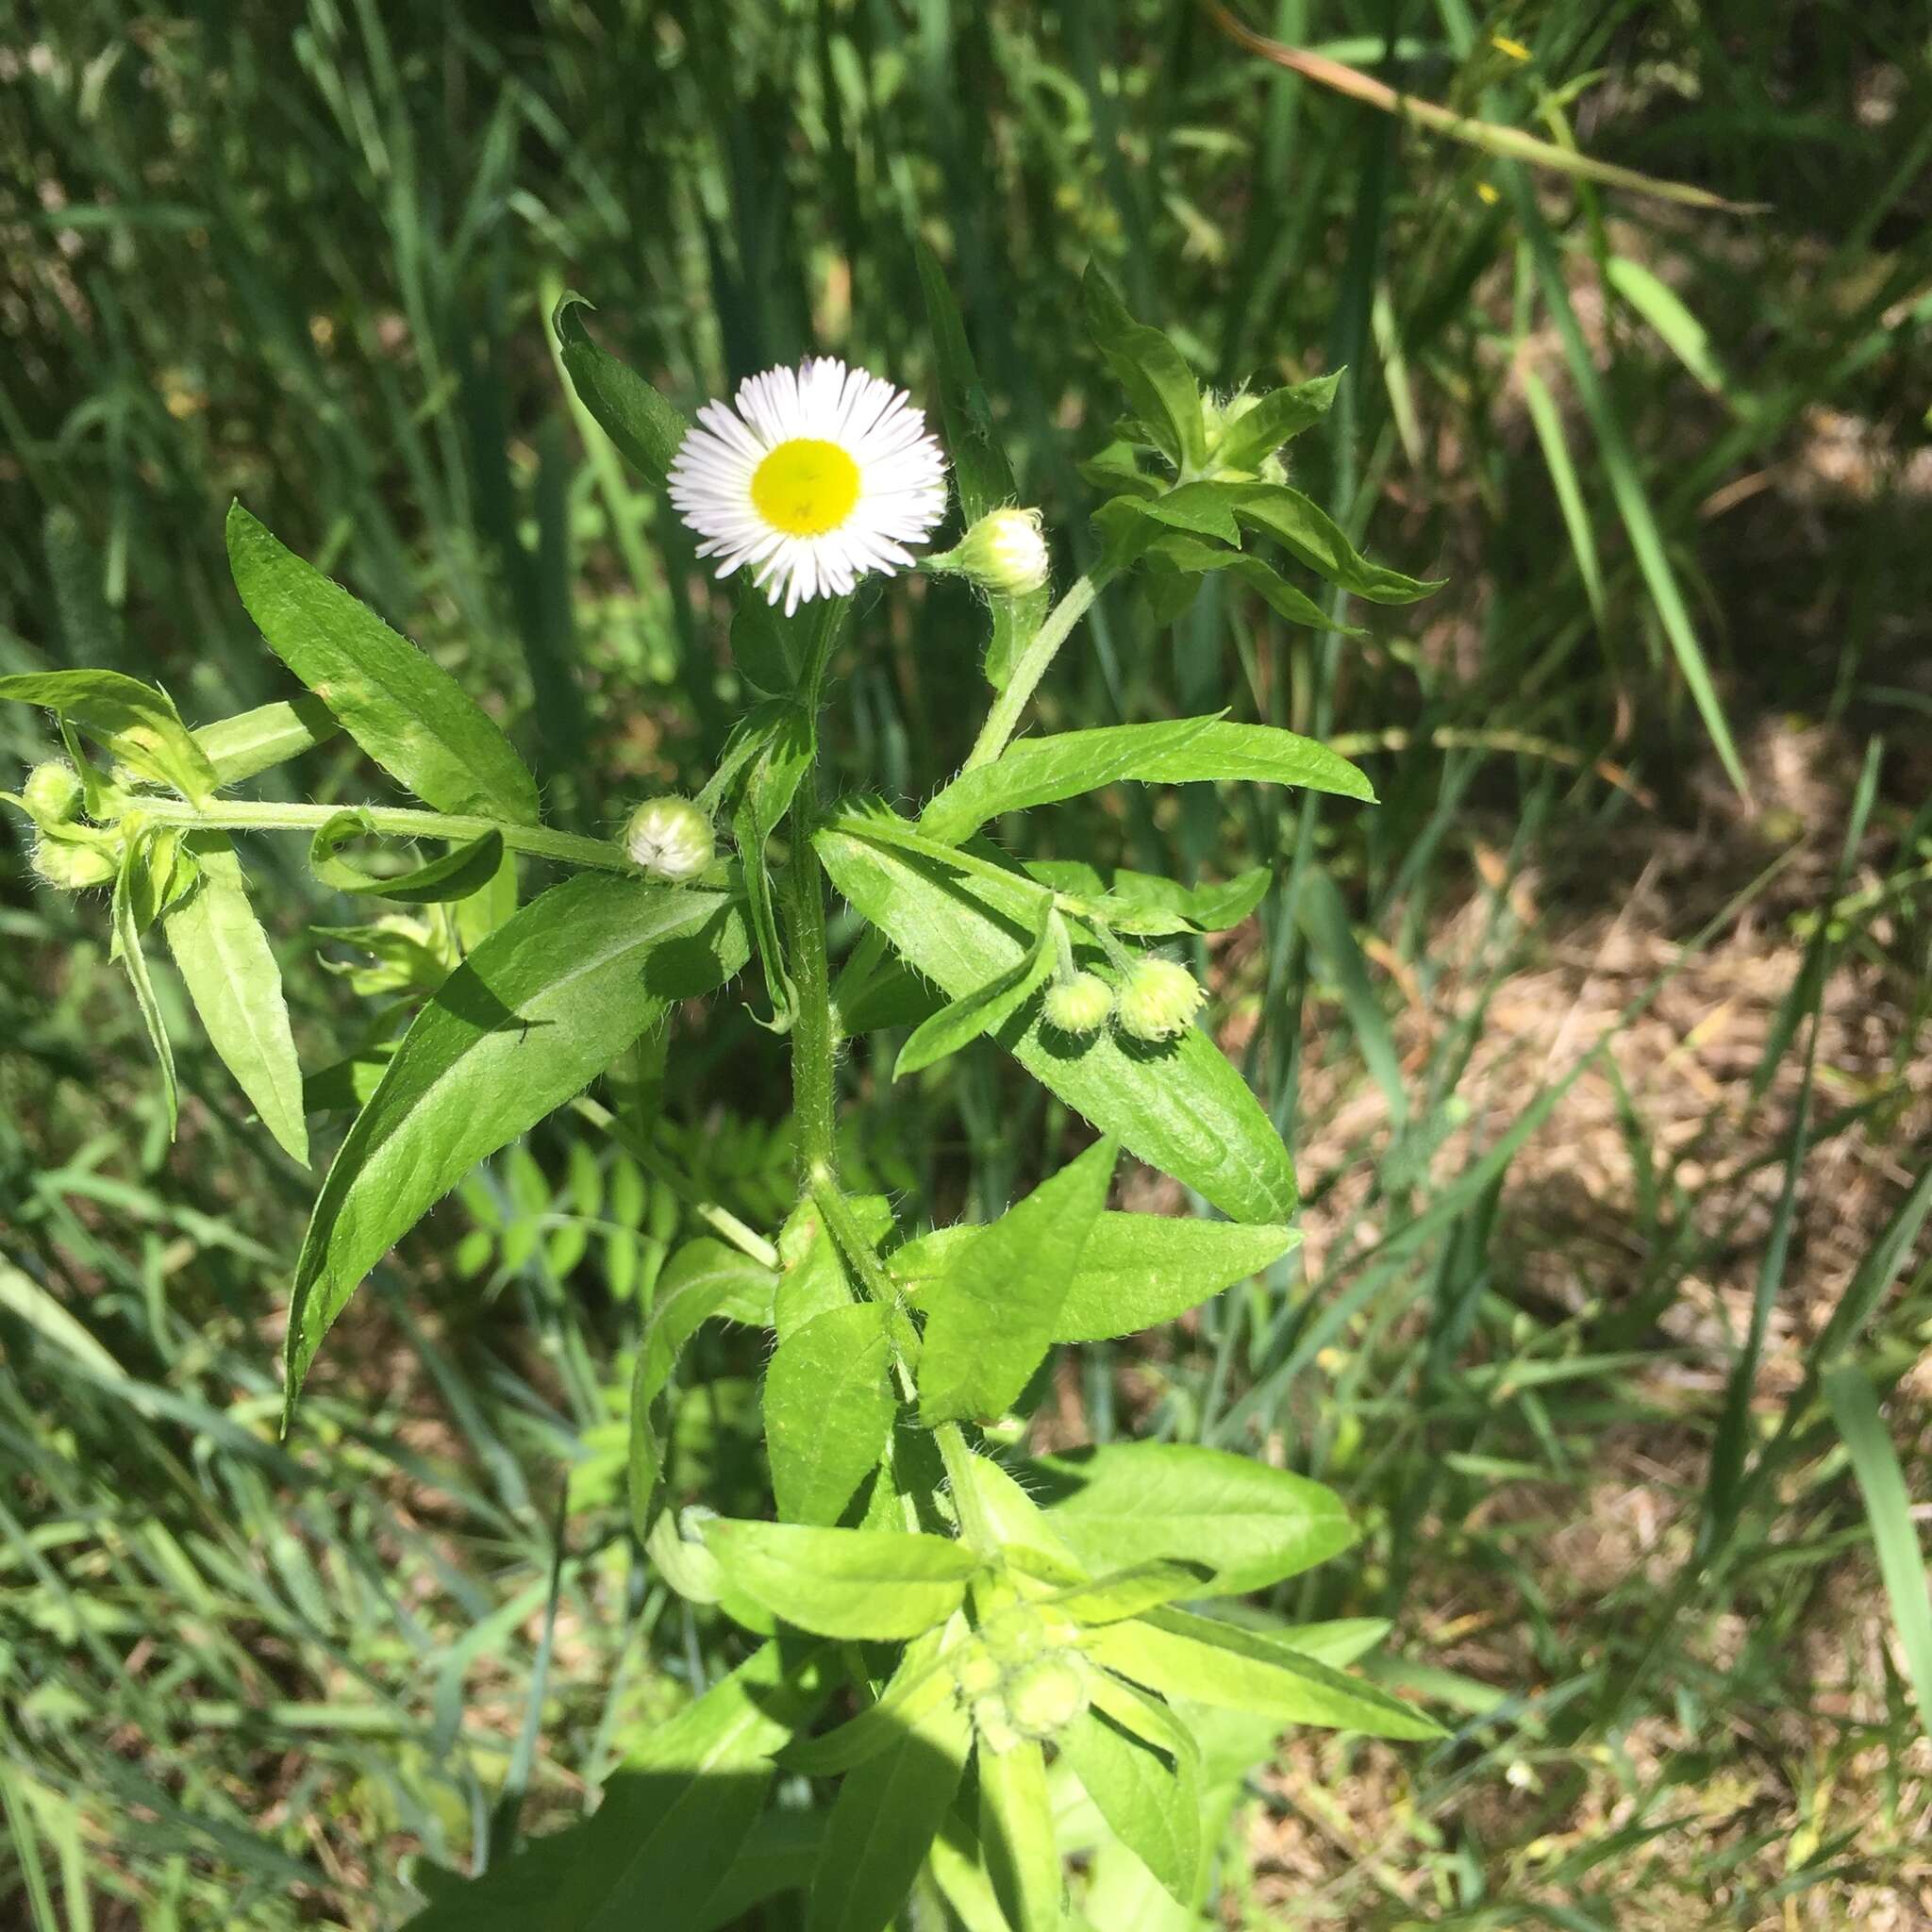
x=817 y=477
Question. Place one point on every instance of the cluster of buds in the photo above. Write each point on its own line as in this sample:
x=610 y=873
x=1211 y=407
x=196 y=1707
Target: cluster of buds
x=1154 y=999
x=1218 y=417
x=1022 y=1680
x=1004 y=553
x=69 y=859
x=671 y=839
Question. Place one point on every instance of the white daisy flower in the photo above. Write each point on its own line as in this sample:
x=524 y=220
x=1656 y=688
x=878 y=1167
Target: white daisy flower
x=819 y=475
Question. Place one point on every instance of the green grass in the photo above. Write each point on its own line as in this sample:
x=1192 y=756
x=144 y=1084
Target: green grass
x=1607 y=1082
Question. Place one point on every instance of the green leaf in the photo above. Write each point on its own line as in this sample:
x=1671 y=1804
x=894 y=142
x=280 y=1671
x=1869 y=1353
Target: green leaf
x=1337 y=1642
x=463 y=869
x=883 y=1821
x=773 y=780
x=1278 y=416
x=223 y=956
x=766 y=645
x=659 y=1846
x=1191 y=1658
x=1889 y=1509
x=704 y=1279
x=845 y=1582
x=1151 y=1801
x=628 y=410
x=401 y=706
x=536 y=1013
x=829 y=1408
x=1123 y=1593
x=961 y=1022
x=1307 y=531
x=1159 y=385
x=990 y=1314
x=923 y=1680
x=255 y=741
x=1195 y=510
x=1185 y=553
x=134 y=722
x=126 y=948
x=1039 y=771
x=1251 y=1525
x=1185 y=1109
x=1141 y=901
x=1137 y=1270
x=1016 y=1837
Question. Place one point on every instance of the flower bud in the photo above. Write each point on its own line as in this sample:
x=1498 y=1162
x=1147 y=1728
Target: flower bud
x=994 y=1727
x=1004 y=551
x=1158 y=999
x=1079 y=1005
x=52 y=793
x=1219 y=415
x=71 y=867
x=670 y=839
x=1044 y=1698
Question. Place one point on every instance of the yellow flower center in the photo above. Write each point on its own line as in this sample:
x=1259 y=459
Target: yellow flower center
x=806 y=486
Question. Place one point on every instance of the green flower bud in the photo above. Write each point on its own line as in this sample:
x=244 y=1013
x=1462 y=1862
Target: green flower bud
x=978 y=1674
x=1219 y=415
x=1044 y=1698
x=1004 y=551
x=1158 y=999
x=52 y=793
x=670 y=839
x=71 y=867
x=1079 y=1005
x=994 y=1727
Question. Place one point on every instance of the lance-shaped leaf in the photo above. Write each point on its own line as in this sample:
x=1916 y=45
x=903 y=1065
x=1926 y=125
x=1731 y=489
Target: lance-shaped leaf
x=1250 y=1525
x=1143 y=902
x=883 y=1821
x=985 y=1011
x=129 y=889
x=1308 y=532
x=134 y=722
x=1123 y=1593
x=1143 y=1774
x=705 y=1278
x=1016 y=1837
x=463 y=869
x=1159 y=385
x=1038 y=771
x=1273 y=419
x=829 y=1408
x=990 y=1314
x=1183 y=1109
x=1192 y=558
x=255 y=741
x=845 y=1582
x=536 y=1013
x=223 y=956
x=630 y=413
x=1137 y=1270
x=658 y=1848
x=1183 y=1662
x=400 y=706
x=922 y=1682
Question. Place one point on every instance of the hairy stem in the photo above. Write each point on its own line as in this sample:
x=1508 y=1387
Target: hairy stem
x=393 y=821
x=1004 y=718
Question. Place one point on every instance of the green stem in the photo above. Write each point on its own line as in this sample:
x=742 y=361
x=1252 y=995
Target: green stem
x=975 y=1526
x=1004 y=718
x=395 y=822
x=815 y=1099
